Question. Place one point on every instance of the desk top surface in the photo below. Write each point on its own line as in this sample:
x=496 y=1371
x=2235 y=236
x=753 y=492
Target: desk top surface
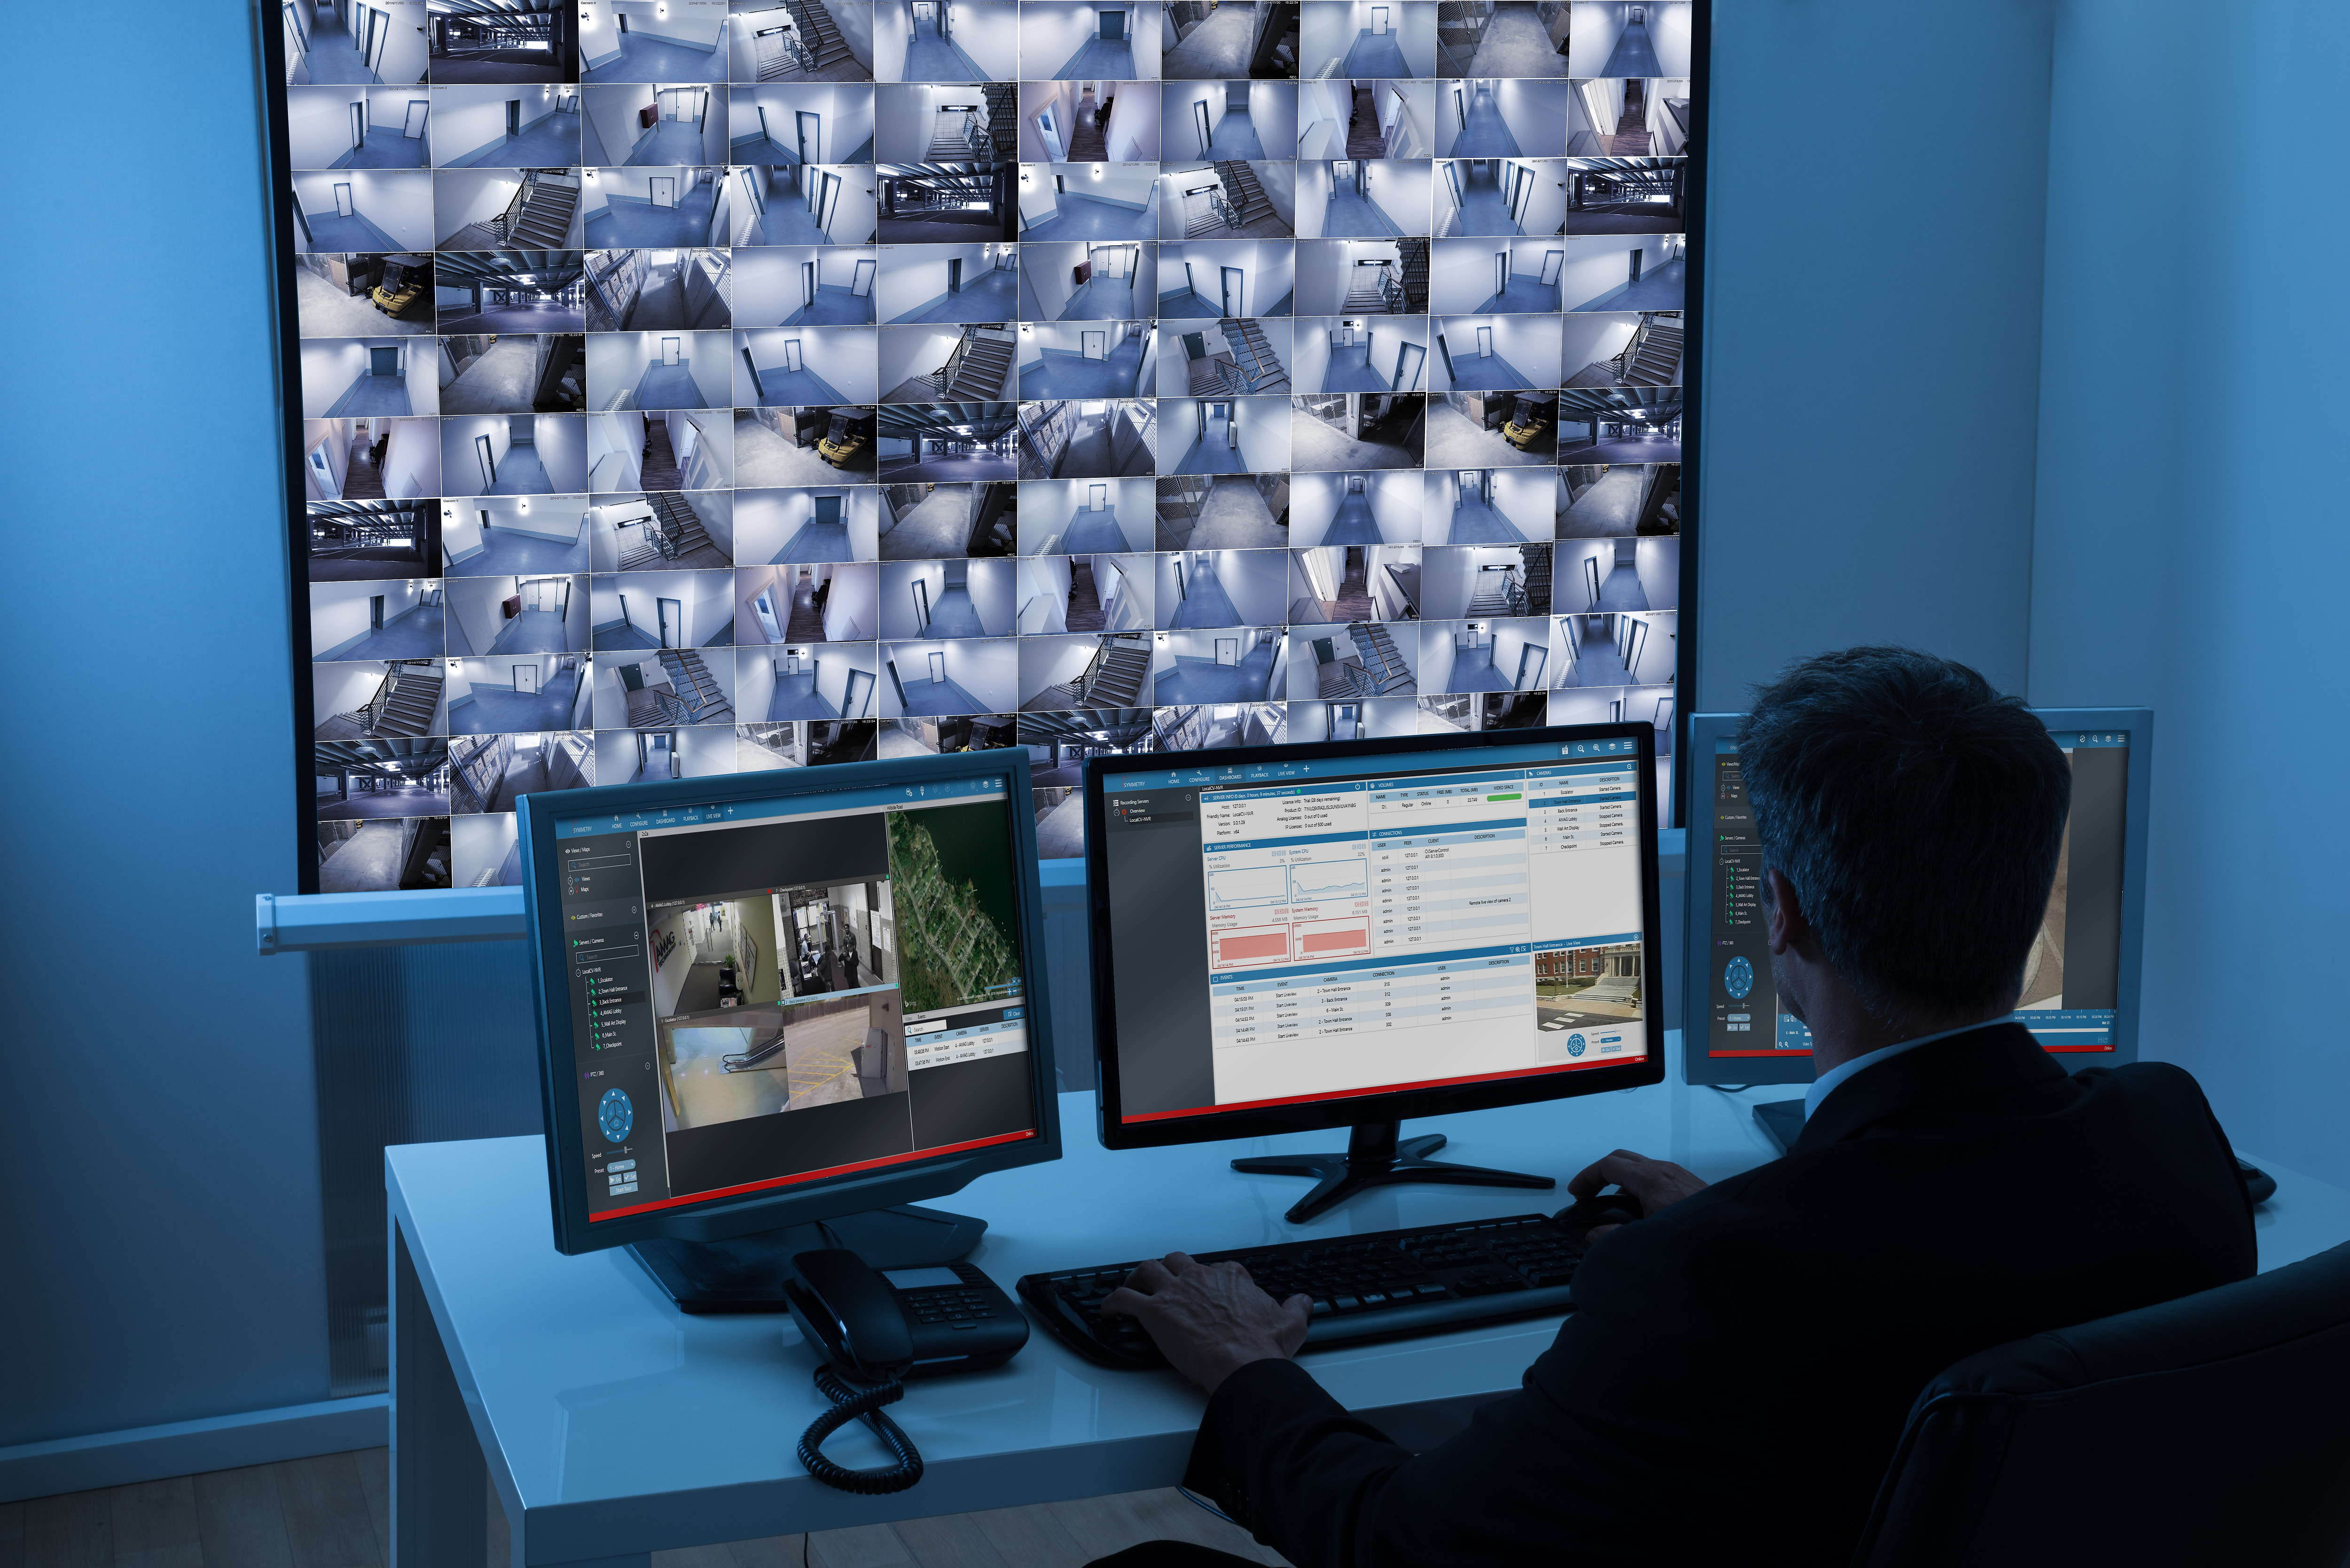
x=589 y=1388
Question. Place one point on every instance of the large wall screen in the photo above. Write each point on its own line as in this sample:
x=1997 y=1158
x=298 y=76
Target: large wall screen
x=688 y=387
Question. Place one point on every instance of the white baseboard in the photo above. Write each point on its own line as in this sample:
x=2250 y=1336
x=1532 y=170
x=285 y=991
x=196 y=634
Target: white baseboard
x=190 y=1447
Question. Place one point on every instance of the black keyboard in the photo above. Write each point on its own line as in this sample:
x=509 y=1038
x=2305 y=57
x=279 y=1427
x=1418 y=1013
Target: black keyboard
x=1382 y=1285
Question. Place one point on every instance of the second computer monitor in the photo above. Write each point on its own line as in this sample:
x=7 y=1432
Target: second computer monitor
x=1360 y=932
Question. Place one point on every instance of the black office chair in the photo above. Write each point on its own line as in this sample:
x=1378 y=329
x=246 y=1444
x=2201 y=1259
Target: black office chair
x=2211 y=1430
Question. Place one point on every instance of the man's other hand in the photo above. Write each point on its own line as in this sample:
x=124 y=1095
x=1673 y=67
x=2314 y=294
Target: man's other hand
x=1657 y=1183
x=1210 y=1320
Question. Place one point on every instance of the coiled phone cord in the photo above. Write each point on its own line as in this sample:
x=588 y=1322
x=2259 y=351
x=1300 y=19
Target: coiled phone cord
x=850 y=1403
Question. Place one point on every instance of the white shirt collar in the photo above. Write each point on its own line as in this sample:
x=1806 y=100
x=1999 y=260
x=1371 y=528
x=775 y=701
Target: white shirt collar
x=1826 y=1081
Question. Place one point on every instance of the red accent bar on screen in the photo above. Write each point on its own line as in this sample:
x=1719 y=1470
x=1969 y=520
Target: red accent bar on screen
x=2052 y=1050
x=1382 y=1089
x=805 y=1176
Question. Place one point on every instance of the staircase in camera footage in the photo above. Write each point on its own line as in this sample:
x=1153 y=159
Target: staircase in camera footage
x=955 y=138
x=544 y=221
x=1212 y=374
x=673 y=533
x=404 y=704
x=1119 y=675
x=1354 y=600
x=1631 y=137
x=1382 y=664
x=695 y=685
x=1537 y=559
x=818 y=36
x=657 y=470
x=1205 y=219
x=1367 y=292
x=1498 y=593
x=1415 y=275
x=1003 y=117
x=1115 y=678
x=1124 y=669
x=1247 y=197
x=1258 y=366
x=976 y=373
x=1363 y=137
x=1085 y=608
x=1521 y=591
x=1659 y=356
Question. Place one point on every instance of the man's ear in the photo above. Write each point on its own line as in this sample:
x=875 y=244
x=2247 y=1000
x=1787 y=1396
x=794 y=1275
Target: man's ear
x=1783 y=911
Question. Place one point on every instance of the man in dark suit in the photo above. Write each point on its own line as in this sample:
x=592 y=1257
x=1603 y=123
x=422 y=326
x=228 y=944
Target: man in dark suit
x=1740 y=1361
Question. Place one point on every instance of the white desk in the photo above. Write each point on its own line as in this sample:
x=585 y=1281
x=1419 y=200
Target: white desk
x=612 y=1425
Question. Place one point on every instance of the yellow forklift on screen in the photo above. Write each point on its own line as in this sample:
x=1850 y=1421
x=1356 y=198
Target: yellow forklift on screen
x=406 y=280
x=1529 y=419
x=847 y=436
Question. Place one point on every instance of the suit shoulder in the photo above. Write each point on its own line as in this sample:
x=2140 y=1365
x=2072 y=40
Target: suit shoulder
x=2167 y=1080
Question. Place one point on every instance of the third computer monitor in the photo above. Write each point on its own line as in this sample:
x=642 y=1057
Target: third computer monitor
x=2080 y=991
x=1355 y=933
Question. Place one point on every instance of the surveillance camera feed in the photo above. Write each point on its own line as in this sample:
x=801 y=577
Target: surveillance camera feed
x=790 y=990
x=691 y=387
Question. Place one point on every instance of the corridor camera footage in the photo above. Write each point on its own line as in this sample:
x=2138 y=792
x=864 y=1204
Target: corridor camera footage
x=689 y=387
x=865 y=1009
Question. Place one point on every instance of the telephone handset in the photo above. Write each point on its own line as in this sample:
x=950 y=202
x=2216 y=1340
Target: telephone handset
x=902 y=1323
x=875 y=1329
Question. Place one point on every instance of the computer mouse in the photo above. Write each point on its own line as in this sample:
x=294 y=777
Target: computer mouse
x=1578 y=1218
x=2258 y=1182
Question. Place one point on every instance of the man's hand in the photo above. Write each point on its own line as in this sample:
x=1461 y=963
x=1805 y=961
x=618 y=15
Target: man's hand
x=1657 y=1183
x=1210 y=1320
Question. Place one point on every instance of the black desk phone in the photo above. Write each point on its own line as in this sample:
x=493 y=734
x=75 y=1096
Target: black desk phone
x=873 y=1330
x=902 y=1323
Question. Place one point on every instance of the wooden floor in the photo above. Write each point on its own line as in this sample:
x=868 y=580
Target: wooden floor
x=334 y=1511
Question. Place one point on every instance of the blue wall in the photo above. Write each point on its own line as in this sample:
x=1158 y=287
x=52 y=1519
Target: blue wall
x=1872 y=333
x=2190 y=550
x=1893 y=400
x=162 y=1223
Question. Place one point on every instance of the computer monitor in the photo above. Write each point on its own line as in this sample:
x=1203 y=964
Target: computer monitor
x=1350 y=933
x=2080 y=994
x=770 y=998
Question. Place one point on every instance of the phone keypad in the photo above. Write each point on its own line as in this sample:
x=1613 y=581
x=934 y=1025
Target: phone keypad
x=950 y=1304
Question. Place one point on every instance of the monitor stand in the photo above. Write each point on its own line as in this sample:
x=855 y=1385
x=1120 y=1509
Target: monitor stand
x=1377 y=1157
x=746 y=1274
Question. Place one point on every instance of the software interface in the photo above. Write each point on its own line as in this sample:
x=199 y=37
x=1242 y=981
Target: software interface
x=1295 y=931
x=2072 y=981
x=771 y=991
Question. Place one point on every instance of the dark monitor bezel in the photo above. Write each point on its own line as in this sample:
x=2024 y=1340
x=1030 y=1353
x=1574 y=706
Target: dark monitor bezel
x=1706 y=729
x=1355 y=1109
x=819 y=1198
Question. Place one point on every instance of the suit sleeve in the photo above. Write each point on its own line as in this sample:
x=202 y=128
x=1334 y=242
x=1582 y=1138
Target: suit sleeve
x=1572 y=1463
x=1289 y=1464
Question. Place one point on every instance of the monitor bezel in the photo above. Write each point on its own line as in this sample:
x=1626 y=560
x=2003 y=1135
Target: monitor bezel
x=817 y=1199
x=1706 y=729
x=1380 y=1106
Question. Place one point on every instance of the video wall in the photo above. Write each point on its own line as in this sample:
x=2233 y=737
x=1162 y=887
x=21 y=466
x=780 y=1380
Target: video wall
x=688 y=387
